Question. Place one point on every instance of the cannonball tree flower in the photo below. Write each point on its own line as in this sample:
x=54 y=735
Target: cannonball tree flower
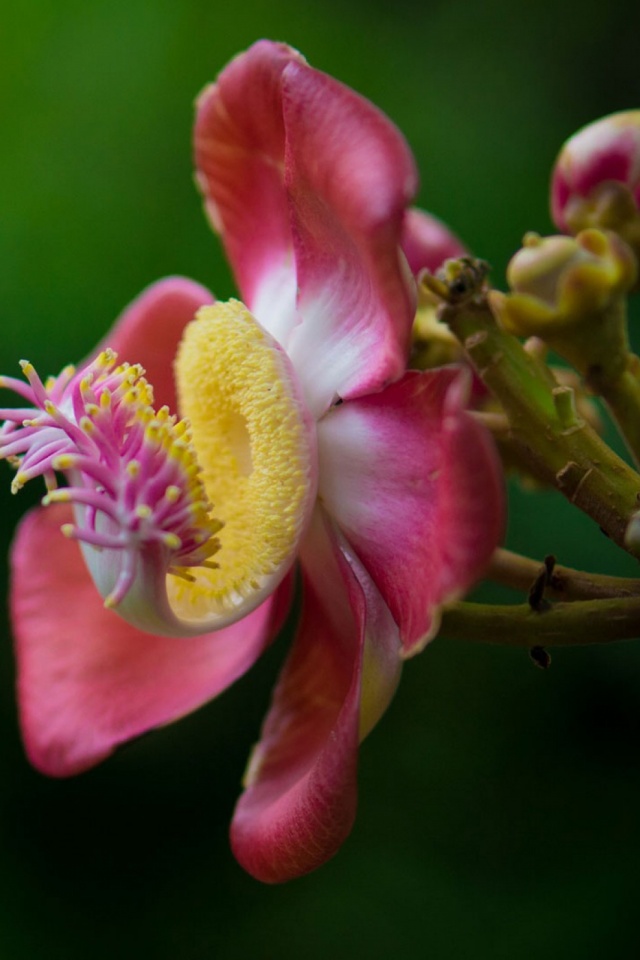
x=305 y=438
x=596 y=178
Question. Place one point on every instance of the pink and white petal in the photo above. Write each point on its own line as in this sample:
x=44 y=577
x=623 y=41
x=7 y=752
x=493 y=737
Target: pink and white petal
x=239 y=155
x=350 y=176
x=301 y=785
x=149 y=330
x=414 y=483
x=427 y=242
x=88 y=681
x=603 y=151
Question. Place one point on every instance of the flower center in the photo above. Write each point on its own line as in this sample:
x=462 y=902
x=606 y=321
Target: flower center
x=141 y=482
x=256 y=447
x=134 y=481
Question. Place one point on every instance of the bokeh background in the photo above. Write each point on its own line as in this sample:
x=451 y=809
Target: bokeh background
x=498 y=813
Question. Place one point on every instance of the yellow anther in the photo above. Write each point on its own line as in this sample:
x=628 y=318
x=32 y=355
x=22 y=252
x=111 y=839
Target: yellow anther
x=172 y=541
x=64 y=461
x=18 y=482
x=107 y=357
x=57 y=496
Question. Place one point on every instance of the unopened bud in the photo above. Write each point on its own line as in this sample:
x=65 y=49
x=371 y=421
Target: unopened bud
x=427 y=242
x=596 y=179
x=570 y=293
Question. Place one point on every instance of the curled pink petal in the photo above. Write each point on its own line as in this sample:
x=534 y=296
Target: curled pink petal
x=307 y=183
x=239 y=142
x=149 y=330
x=427 y=242
x=301 y=791
x=88 y=681
x=414 y=483
x=350 y=176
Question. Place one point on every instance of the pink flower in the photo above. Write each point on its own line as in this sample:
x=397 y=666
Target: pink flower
x=313 y=442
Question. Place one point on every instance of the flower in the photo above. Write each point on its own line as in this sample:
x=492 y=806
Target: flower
x=312 y=442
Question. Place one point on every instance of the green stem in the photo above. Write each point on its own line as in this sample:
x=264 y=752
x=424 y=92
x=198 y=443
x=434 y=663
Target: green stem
x=545 y=429
x=563 y=624
x=564 y=583
x=622 y=396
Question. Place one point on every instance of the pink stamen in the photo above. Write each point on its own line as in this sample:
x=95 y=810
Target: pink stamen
x=126 y=462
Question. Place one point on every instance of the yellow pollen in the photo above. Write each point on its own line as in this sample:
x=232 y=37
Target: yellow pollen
x=56 y=496
x=18 y=482
x=256 y=447
x=66 y=461
x=172 y=540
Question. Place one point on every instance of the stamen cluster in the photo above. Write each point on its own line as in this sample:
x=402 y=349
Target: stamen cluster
x=133 y=478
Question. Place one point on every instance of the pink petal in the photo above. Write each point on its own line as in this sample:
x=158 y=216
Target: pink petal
x=278 y=146
x=414 y=483
x=349 y=175
x=300 y=800
x=88 y=681
x=239 y=156
x=427 y=242
x=149 y=329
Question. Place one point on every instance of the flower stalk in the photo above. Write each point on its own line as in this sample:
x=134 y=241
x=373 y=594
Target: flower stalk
x=550 y=437
x=579 y=623
x=560 y=583
x=621 y=393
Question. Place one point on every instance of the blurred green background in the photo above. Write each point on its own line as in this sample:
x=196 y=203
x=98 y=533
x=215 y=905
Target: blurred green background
x=498 y=813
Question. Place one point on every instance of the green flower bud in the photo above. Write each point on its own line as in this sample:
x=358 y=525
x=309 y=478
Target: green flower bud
x=571 y=293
